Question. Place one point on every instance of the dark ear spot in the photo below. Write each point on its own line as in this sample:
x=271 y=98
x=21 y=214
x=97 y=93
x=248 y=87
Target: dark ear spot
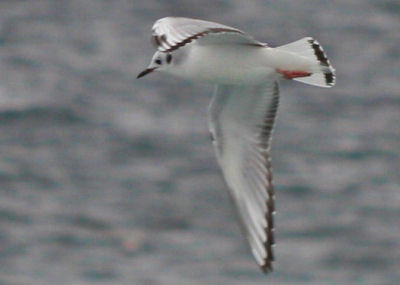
x=169 y=58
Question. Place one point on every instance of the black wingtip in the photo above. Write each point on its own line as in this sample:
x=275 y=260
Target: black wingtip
x=330 y=77
x=267 y=267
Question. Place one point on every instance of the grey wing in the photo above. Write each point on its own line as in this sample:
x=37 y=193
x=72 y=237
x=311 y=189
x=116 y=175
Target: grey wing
x=170 y=33
x=241 y=120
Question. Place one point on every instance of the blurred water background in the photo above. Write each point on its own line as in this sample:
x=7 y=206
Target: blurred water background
x=105 y=179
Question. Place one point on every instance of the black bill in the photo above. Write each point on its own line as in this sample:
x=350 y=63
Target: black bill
x=144 y=72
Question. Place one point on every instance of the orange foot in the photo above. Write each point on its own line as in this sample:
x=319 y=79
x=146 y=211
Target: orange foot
x=290 y=74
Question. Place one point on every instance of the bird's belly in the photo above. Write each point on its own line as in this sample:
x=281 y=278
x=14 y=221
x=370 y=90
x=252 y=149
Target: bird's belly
x=226 y=65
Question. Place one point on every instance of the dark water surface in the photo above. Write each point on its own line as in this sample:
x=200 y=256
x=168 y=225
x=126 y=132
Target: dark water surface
x=105 y=179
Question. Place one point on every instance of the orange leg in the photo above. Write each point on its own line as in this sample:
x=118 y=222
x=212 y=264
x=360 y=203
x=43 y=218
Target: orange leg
x=290 y=74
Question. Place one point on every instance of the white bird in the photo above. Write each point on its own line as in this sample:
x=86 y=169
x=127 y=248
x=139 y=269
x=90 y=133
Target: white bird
x=244 y=106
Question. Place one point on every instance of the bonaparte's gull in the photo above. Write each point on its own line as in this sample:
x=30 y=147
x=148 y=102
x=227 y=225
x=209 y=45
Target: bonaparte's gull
x=243 y=109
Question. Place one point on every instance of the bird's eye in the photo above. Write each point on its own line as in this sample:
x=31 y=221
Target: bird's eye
x=158 y=61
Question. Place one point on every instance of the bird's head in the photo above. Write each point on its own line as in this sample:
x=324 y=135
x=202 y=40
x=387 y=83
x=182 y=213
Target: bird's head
x=159 y=62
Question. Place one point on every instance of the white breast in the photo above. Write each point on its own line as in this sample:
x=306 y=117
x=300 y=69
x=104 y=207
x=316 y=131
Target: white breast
x=224 y=64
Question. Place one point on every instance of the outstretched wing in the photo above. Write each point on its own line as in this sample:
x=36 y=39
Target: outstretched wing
x=170 y=33
x=241 y=120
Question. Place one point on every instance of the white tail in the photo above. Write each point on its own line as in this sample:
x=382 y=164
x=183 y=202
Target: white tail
x=311 y=49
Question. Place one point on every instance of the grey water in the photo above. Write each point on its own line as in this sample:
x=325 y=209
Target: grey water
x=105 y=179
